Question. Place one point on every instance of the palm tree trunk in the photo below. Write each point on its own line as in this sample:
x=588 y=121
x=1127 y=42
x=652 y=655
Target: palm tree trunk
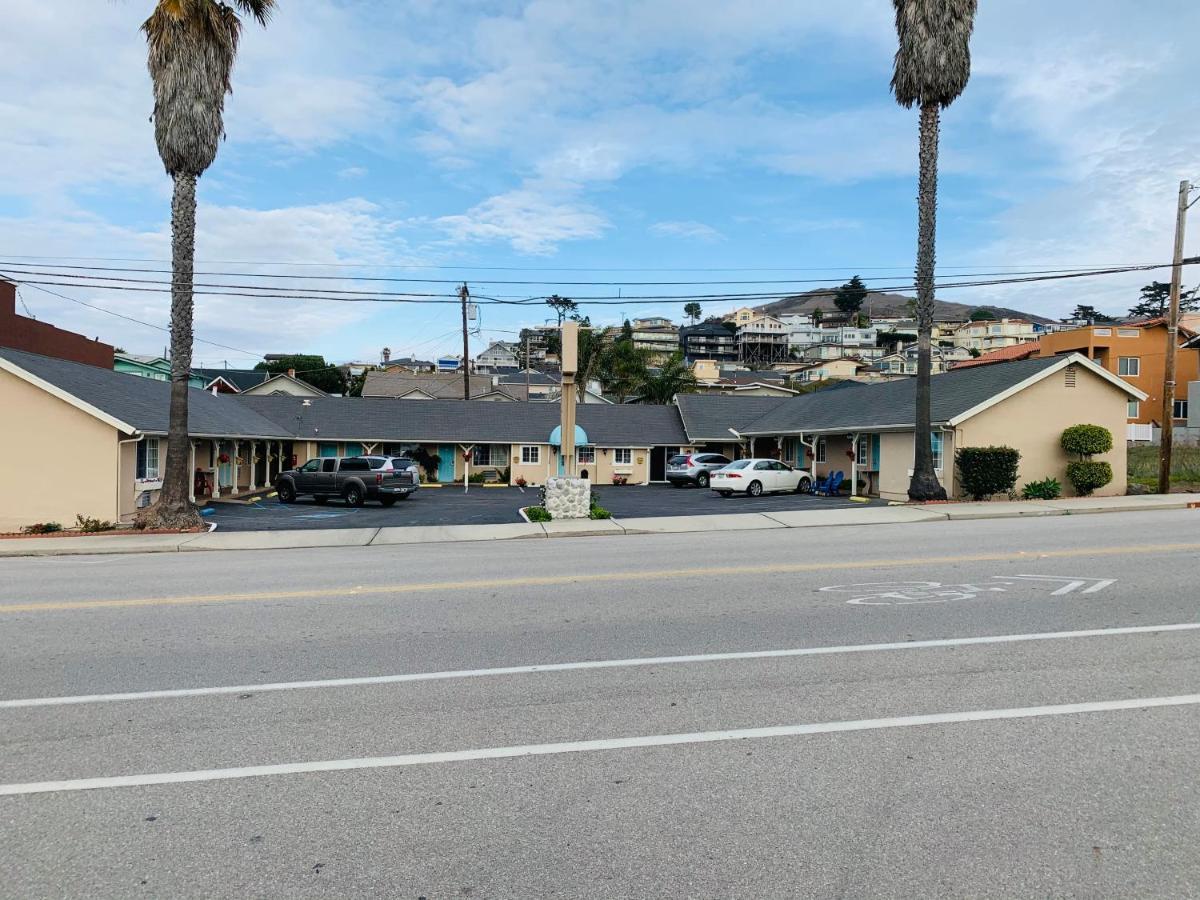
x=924 y=484
x=173 y=508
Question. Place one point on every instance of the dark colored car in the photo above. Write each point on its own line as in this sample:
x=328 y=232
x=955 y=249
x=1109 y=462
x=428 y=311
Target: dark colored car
x=355 y=479
x=694 y=468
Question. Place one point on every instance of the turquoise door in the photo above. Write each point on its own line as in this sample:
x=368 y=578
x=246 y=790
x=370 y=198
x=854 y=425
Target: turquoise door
x=353 y=450
x=225 y=470
x=446 y=463
x=874 y=452
x=562 y=463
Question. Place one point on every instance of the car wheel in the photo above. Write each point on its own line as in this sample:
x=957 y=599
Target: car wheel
x=702 y=480
x=803 y=486
x=755 y=489
x=725 y=494
x=320 y=499
x=287 y=493
x=388 y=501
x=354 y=496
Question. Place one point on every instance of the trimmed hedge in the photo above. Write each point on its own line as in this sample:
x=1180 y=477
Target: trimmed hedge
x=1087 y=475
x=985 y=471
x=1047 y=489
x=1087 y=439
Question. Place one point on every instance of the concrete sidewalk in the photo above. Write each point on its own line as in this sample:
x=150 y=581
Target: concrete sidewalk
x=365 y=537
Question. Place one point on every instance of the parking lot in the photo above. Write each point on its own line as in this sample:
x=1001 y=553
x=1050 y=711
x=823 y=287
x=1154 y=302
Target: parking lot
x=483 y=506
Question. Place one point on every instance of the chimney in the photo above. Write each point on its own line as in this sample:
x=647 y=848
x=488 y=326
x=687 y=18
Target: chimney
x=291 y=373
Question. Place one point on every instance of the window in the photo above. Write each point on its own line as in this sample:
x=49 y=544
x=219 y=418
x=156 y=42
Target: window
x=1128 y=332
x=864 y=450
x=1131 y=409
x=531 y=456
x=147 y=459
x=820 y=454
x=935 y=440
x=1129 y=366
x=312 y=465
x=356 y=464
x=623 y=456
x=1181 y=409
x=329 y=465
x=585 y=454
x=481 y=455
x=1103 y=332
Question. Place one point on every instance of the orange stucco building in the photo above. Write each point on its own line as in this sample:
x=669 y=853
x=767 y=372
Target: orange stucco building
x=1136 y=353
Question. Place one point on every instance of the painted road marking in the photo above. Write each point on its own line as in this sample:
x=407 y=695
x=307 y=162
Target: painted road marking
x=591 y=664
x=907 y=593
x=594 y=578
x=623 y=743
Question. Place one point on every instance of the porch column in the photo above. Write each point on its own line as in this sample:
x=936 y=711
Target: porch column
x=253 y=466
x=216 y=469
x=237 y=445
x=192 y=470
x=854 y=465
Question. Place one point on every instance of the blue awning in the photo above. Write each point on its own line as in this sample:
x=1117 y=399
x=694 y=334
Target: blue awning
x=581 y=438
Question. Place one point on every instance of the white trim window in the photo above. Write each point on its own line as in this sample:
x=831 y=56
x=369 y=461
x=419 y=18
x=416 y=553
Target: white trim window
x=623 y=456
x=864 y=449
x=936 y=444
x=819 y=455
x=531 y=455
x=586 y=455
x=147 y=459
x=1180 y=410
x=1132 y=409
x=1129 y=366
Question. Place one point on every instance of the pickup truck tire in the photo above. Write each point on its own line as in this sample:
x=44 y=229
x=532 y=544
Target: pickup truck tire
x=388 y=501
x=287 y=493
x=354 y=495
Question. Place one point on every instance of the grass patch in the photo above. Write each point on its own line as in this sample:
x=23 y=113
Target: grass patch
x=1143 y=465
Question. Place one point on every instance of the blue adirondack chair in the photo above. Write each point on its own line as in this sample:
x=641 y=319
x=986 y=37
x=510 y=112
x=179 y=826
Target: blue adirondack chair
x=831 y=485
x=822 y=484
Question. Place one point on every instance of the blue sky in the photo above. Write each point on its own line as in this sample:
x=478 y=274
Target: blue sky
x=565 y=141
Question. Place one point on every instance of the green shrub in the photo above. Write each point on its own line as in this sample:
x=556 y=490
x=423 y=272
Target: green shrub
x=985 y=471
x=1046 y=489
x=1087 y=475
x=1087 y=439
x=42 y=528
x=599 y=512
x=88 y=525
x=537 y=514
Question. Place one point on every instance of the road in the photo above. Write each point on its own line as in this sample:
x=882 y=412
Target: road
x=953 y=736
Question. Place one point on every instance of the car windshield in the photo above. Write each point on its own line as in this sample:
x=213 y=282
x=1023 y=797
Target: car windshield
x=739 y=464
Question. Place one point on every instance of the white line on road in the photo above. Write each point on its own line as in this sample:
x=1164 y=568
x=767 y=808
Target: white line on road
x=625 y=743
x=591 y=664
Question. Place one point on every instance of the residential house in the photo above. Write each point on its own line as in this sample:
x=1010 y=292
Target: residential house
x=1136 y=352
x=500 y=356
x=403 y=385
x=839 y=351
x=708 y=341
x=904 y=361
x=657 y=336
x=541 y=385
x=762 y=341
x=842 y=368
x=285 y=383
x=156 y=367
x=231 y=381
x=996 y=335
x=409 y=364
x=1008 y=354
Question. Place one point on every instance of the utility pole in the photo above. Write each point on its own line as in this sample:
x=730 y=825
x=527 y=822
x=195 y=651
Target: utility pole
x=1168 y=415
x=464 y=295
x=527 y=366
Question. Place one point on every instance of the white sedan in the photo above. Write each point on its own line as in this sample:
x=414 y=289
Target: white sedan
x=759 y=476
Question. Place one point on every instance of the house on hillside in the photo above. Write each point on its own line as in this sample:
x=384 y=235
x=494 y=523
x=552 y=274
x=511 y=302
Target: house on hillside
x=708 y=341
x=156 y=367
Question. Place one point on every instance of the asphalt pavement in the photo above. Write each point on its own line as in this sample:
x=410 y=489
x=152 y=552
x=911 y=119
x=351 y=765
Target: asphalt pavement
x=991 y=708
x=451 y=505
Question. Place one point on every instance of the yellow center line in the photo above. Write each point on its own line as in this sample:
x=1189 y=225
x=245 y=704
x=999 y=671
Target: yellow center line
x=593 y=578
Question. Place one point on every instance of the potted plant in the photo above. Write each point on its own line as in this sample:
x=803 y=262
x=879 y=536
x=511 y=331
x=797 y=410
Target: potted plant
x=620 y=479
x=521 y=482
x=223 y=458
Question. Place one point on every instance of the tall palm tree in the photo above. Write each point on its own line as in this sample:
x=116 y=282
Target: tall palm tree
x=192 y=47
x=933 y=64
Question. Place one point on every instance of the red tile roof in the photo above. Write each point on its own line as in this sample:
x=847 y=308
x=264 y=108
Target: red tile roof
x=1007 y=354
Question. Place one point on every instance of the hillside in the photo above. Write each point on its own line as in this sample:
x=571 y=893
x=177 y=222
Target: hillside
x=881 y=304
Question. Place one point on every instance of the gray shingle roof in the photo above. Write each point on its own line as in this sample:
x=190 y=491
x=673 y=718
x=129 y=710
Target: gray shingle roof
x=708 y=417
x=535 y=377
x=441 y=386
x=143 y=402
x=239 y=378
x=891 y=404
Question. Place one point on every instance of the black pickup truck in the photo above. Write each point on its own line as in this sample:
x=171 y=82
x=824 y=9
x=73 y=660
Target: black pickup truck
x=356 y=479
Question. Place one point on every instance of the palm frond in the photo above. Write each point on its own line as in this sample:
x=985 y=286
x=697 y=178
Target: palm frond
x=260 y=10
x=933 y=62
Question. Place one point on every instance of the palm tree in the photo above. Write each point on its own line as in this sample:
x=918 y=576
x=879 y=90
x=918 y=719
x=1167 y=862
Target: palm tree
x=192 y=47
x=673 y=377
x=933 y=64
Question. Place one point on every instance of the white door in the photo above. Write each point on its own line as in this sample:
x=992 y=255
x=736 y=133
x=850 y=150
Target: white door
x=764 y=472
x=788 y=477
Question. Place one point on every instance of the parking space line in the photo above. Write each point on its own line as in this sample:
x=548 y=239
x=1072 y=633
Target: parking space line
x=620 y=743
x=592 y=664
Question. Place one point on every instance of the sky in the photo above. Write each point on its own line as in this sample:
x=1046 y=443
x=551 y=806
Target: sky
x=568 y=141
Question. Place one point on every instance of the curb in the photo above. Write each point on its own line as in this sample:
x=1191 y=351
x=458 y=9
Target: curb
x=524 y=530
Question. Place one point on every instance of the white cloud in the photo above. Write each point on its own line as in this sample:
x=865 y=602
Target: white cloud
x=692 y=230
x=529 y=219
x=353 y=172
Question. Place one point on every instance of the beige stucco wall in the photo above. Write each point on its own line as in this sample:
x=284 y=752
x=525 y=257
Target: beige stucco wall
x=1033 y=421
x=896 y=452
x=46 y=423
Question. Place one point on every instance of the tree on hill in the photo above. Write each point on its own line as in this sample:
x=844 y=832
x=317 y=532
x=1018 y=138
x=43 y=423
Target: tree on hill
x=191 y=50
x=626 y=332
x=1090 y=314
x=818 y=316
x=1155 y=301
x=693 y=311
x=310 y=368
x=850 y=296
x=561 y=306
x=982 y=315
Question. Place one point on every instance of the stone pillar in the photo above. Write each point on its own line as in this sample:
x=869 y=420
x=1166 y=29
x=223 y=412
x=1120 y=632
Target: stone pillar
x=568 y=498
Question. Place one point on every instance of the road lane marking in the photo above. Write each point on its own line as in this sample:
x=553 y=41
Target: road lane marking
x=622 y=743
x=592 y=578
x=589 y=664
